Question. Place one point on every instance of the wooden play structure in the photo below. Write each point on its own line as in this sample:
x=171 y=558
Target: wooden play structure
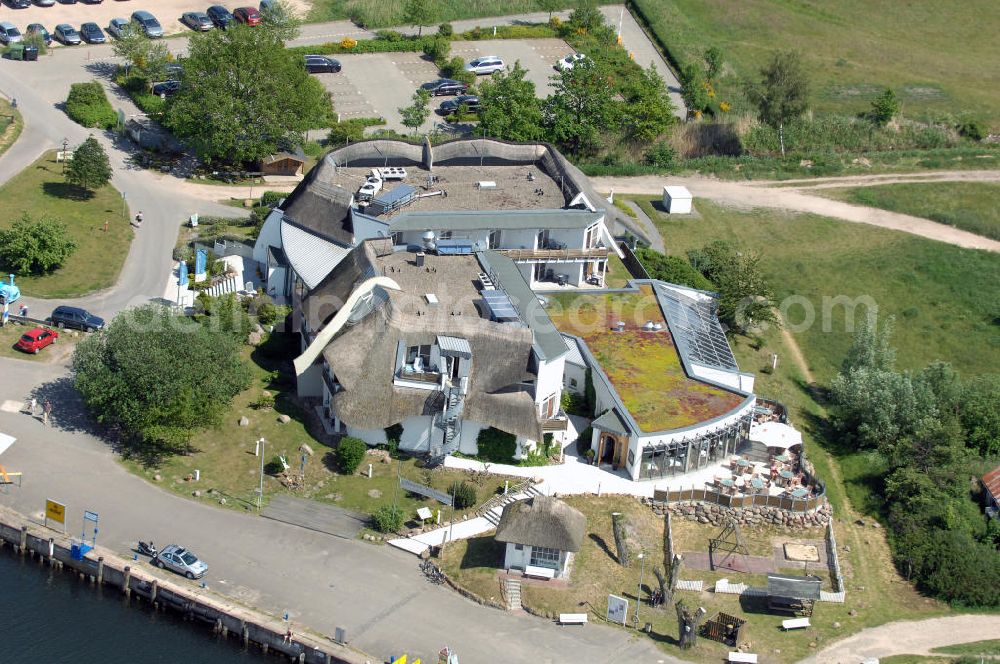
x=725 y=629
x=729 y=541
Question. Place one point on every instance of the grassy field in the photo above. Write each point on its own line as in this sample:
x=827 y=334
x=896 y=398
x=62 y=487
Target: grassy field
x=931 y=53
x=971 y=206
x=56 y=352
x=41 y=191
x=943 y=297
x=989 y=648
x=11 y=125
x=225 y=455
x=386 y=13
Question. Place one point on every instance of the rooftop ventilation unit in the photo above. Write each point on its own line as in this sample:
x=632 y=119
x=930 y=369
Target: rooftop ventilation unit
x=620 y=326
x=428 y=238
x=649 y=327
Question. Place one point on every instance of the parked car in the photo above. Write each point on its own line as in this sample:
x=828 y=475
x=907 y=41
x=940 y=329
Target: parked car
x=487 y=64
x=92 y=2
x=81 y=319
x=569 y=61
x=220 y=16
x=319 y=64
x=35 y=340
x=166 y=88
x=180 y=560
x=445 y=86
x=66 y=34
x=45 y=3
x=198 y=21
x=19 y=4
x=92 y=33
x=9 y=34
x=118 y=27
x=450 y=106
x=147 y=23
x=39 y=29
x=247 y=15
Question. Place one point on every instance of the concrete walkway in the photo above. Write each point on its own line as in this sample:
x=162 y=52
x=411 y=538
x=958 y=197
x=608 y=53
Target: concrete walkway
x=652 y=232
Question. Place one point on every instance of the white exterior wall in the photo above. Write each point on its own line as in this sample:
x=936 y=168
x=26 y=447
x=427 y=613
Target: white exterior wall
x=514 y=559
x=575 y=372
x=370 y=436
x=417 y=432
x=734 y=379
x=519 y=239
x=467 y=440
x=550 y=379
x=366 y=228
x=270 y=236
x=310 y=382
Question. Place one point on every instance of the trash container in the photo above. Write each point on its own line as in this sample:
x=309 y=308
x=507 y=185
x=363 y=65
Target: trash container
x=30 y=52
x=17 y=51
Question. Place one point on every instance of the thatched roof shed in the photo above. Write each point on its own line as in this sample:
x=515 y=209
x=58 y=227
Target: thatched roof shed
x=542 y=521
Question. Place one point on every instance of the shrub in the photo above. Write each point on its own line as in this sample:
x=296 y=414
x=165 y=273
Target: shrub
x=35 y=245
x=348 y=43
x=264 y=402
x=496 y=446
x=349 y=454
x=270 y=198
x=583 y=441
x=464 y=495
x=445 y=30
x=387 y=519
x=662 y=155
x=87 y=105
x=390 y=35
x=274 y=466
x=350 y=131
x=437 y=49
x=973 y=129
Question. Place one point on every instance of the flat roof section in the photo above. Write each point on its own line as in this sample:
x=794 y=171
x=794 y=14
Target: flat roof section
x=644 y=366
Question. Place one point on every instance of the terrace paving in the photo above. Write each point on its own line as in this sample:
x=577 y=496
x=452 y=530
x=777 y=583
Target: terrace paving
x=643 y=366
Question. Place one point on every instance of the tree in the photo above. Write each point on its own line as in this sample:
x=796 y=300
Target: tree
x=509 y=108
x=281 y=20
x=243 y=96
x=586 y=16
x=149 y=56
x=550 y=6
x=419 y=13
x=871 y=348
x=980 y=414
x=782 y=94
x=463 y=493
x=885 y=107
x=89 y=168
x=349 y=454
x=582 y=108
x=648 y=111
x=713 y=63
x=694 y=91
x=35 y=246
x=672 y=269
x=416 y=113
x=156 y=378
x=745 y=297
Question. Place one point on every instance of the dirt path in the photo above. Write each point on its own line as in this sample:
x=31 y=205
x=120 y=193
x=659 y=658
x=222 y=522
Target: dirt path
x=879 y=179
x=908 y=637
x=797 y=356
x=758 y=195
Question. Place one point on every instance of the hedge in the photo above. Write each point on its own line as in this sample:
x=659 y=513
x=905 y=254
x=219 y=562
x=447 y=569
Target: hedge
x=87 y=105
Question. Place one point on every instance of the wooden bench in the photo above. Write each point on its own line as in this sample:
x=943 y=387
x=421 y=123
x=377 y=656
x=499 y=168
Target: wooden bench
x=572 y=618
x=795 y=623
x=745 y=657
x=539 y=572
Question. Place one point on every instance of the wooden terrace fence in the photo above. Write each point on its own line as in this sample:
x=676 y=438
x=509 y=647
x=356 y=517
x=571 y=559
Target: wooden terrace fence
x=787 y=503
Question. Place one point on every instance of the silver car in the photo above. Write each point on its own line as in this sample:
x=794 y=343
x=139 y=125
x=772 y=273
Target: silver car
x=180 y=560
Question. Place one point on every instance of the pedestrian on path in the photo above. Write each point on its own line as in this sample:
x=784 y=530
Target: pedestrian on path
x=46 y=412
x=32 y=406
x=24 y=311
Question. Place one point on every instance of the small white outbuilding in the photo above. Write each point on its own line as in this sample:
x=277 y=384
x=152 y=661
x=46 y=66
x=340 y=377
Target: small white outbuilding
x=676 y=200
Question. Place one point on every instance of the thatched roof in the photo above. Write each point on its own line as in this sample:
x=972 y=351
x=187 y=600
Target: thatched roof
x=542 y=521
x=320 y=207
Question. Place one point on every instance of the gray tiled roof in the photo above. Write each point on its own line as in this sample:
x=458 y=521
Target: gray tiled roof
x=574 y=356
x=611 y=422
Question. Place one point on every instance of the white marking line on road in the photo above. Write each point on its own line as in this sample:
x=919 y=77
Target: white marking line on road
x=10 y=406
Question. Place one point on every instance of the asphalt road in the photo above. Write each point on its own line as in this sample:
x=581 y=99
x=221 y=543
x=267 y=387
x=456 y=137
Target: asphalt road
x=376 y=593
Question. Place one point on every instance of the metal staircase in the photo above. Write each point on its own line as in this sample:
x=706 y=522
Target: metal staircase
x=449 y=421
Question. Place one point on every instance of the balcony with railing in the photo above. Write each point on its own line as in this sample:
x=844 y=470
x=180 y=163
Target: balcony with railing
x=555 y=255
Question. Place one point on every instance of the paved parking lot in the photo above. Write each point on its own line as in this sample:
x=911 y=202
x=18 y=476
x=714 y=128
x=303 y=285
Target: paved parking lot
x=378 y=84
x=168 y=12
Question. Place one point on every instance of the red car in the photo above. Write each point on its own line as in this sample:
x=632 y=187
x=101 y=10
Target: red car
x=37 y=339
x=247 y=16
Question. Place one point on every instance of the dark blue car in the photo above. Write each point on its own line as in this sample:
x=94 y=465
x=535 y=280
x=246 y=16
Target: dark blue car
x=75 y=317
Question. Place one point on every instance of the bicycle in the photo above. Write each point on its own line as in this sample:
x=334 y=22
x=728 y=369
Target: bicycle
x=431 y=571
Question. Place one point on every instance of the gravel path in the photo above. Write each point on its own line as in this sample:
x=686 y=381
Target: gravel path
x=908 y=638
x=767 y=195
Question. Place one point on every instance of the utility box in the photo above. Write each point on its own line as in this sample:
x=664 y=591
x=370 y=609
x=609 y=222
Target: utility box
x=16 y=51
x=676 y=200
x=30 y=52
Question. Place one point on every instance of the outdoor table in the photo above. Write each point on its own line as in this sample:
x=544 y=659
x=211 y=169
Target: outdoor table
x=787 y=474
x=800 y=493
x=726 y=483
x=782 y=458
x=757 y=483
x=742 y=463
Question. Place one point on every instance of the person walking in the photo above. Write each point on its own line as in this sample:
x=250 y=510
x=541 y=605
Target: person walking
x=138 y=218
x=32 y=406
x=24 y=311
x=46 y=412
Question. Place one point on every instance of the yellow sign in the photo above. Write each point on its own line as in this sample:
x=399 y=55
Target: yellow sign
x=55 y=511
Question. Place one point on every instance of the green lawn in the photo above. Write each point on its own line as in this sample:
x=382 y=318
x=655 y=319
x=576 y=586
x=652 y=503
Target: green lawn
x=985 y=648
x=943 y=297
x=41 y=190
x=385 y=13
x=932 y=53
x=57 y=352
x=225 y=454
x=11 y=125
x=971 y=206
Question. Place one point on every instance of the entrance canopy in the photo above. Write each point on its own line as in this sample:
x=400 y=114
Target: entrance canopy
x=775 y=434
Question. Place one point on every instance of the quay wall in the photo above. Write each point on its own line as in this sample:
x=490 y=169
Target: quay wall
x=103 y=567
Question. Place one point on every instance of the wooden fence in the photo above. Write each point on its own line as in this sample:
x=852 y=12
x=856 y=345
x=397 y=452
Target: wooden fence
x=787 y=503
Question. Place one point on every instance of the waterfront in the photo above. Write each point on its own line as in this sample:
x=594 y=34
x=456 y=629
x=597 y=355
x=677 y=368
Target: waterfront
x=52 y=617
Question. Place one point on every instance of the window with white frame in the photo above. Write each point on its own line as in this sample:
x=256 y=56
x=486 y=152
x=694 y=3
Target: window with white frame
x=421 y=352
x=547 y=409
x=544 y=557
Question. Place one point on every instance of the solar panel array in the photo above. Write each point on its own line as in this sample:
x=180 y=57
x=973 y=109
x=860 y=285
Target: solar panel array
x=500 y=305
x=696 y=330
